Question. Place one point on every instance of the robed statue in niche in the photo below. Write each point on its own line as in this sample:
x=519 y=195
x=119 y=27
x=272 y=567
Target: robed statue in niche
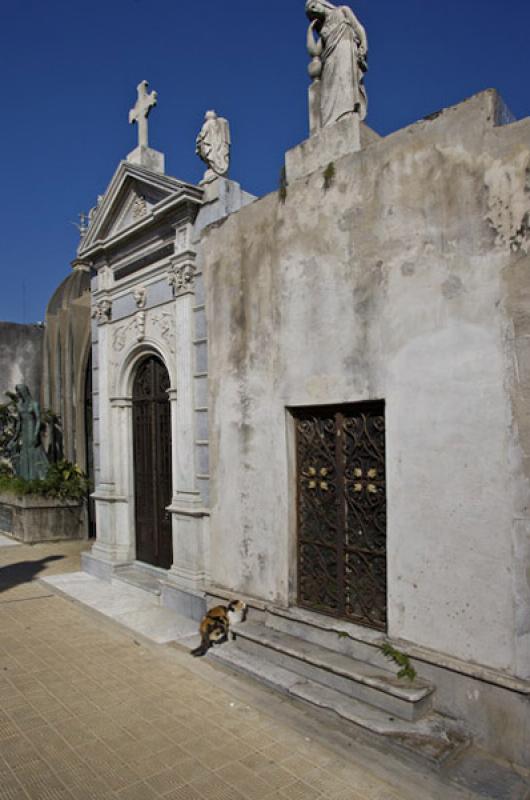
x=27 y=453
x=337 y=42
x=213 y=146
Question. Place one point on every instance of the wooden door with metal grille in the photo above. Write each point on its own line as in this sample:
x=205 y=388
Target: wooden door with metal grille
x=341 y=506
x=152 y=463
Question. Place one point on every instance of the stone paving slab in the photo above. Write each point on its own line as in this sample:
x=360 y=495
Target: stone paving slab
x=6 y=541
x=89 y=712
x=137 y=610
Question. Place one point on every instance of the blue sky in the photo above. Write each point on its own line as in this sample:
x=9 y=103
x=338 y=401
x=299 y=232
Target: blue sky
x=71 y=69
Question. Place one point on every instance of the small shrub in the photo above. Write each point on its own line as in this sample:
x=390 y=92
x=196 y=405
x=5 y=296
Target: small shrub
x=329 y=176
x=282 y=187
x=401 y=659
x=64 y=481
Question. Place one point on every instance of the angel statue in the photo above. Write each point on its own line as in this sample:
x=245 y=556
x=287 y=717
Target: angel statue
x=337 y=43
x=213 y=146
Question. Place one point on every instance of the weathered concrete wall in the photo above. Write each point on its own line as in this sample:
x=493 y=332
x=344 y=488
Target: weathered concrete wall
x=402 y=282
x=20 y=357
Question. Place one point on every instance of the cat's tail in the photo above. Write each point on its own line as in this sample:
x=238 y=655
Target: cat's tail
x=202 y=649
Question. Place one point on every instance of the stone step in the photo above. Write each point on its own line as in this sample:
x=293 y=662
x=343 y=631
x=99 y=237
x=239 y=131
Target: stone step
x=138 y=577
x=354 y=678
x=434 y=738
x=334 y=634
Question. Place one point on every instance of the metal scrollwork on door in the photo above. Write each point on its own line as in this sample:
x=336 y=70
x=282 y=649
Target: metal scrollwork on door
x=342 y=512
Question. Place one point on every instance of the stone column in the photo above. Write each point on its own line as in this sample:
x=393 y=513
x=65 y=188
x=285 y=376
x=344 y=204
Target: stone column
x=109 y=548
x=188 y=569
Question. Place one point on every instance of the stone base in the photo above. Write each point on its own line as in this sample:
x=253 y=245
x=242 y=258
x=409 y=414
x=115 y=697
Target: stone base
x=42 y=519
x=184 y=601
x=99 y=567
x=221 y=198
x=148 y=158
x=346 y=136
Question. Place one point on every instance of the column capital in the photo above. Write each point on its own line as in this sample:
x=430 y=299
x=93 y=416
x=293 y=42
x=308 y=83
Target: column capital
x=181 y=278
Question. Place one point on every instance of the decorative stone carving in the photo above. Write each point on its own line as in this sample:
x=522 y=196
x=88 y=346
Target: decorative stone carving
x=339 y=53
x=102 y=312
x=141 y=111
x=140 y=296
x=182 y=279
x=165 y=322
x=139 y=323
x=213 y=146
x=139 y=207
x=119 y=339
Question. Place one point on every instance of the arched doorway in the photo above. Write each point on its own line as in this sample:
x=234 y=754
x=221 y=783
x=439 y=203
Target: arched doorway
x=152 y=463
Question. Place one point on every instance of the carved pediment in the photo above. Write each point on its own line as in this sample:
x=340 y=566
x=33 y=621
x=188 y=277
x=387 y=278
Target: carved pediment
x=129 y=200
x=135 y=202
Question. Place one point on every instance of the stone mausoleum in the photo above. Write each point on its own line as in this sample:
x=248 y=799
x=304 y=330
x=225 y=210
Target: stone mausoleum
x=319 y=401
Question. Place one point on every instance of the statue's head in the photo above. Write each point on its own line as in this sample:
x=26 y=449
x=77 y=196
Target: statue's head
x=22 y=391
x=317 y=9
x=210 y=115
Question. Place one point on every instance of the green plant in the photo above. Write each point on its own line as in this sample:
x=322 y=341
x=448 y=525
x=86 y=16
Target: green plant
x=401 y=659
x=5 y=470
x=64 y=481
x=329 y=176
x=7 y=423
x=282 y=187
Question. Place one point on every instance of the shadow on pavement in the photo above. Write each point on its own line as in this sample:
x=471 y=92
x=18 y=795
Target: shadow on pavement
x=23 y=572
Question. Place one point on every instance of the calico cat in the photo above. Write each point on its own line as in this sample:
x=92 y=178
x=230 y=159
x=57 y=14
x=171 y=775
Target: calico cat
x=216 y=623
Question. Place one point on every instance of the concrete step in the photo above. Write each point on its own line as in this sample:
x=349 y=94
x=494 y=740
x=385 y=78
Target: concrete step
x=433 y=738
x=334 y=634
x=138 y=577
x=354 y=678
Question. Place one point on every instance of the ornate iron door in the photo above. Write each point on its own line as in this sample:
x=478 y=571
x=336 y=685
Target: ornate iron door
x=152 y=463
x=342 y=512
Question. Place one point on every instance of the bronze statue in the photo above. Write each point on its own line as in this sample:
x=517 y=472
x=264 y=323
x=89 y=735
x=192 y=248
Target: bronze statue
x=27 y=453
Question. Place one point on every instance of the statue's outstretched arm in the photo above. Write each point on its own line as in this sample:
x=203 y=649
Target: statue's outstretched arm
x=315 y=47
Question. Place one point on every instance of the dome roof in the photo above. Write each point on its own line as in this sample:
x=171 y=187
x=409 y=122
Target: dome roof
x=72 y=288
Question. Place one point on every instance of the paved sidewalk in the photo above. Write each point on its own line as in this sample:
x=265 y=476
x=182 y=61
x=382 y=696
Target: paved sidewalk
x=89 y=711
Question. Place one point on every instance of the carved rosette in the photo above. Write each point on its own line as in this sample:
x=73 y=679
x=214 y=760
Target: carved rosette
x=182 y=279
x=102 y=312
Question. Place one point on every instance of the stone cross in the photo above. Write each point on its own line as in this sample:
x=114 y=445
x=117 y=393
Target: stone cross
x=141 y=111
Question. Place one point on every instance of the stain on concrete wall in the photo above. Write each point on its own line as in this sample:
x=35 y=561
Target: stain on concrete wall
x=20 y=357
